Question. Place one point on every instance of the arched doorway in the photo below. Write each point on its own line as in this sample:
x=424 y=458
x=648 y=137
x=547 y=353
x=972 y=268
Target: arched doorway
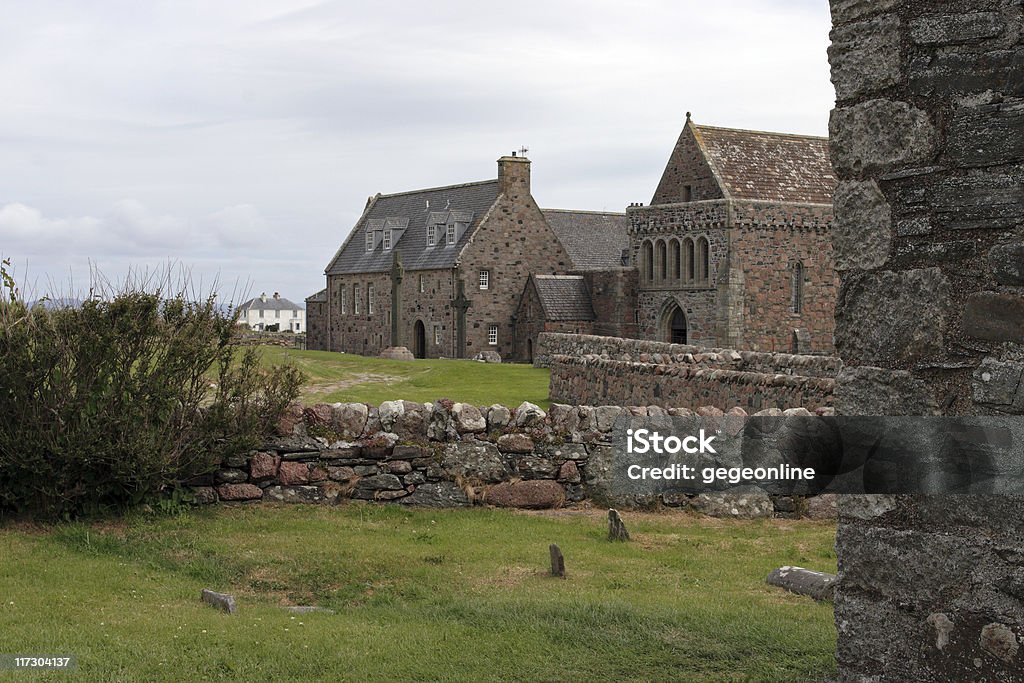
x=529 y=351
x=420 y=340
x=675 y=327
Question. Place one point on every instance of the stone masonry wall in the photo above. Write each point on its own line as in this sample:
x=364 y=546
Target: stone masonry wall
x=927 y=140
x=452 y=455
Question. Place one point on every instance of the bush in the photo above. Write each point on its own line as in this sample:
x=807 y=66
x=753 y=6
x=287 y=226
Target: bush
x=119 y=400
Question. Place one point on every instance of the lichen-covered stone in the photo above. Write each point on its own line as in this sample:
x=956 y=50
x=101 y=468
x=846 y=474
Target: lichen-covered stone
x=862 y=232
x=538 y=494
x=880 y=135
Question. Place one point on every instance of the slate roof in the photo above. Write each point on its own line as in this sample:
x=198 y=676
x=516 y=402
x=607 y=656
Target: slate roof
x=468 y=202
x=272 y=304
x=319 y=297
x=594 y=240
x=564 y=297
x=769 y=166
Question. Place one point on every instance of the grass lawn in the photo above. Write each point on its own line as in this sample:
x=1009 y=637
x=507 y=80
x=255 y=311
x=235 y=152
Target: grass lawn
x=456 y=595
x=342 y=377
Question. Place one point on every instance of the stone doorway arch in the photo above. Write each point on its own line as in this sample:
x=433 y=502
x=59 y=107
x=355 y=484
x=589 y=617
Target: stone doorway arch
x=419 y=340
x=674 y=325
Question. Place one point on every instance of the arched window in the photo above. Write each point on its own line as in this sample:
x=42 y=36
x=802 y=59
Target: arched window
x=703 y=260
x=660 y=261
x=798 y=287
x=688 y=261
x=647 y=261
x=673 y=261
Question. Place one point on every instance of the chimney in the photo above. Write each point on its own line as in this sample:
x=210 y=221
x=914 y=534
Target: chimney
x=263 y=297
x=277 y=295
x=514 y=176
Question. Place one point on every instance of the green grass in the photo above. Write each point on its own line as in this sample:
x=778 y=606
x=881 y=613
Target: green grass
x=457 y=595
x=343 y=377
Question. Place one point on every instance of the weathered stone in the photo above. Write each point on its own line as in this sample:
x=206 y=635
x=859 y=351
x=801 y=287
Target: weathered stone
x=413 y=423
x=822 y=507
x=995 y=316
x=862 y=232
x=204 y=495
x=914 y=227
x=307 y=609
x=999 y=641
x=293 y=473
x=878 y=136
x=349 y=419
x=400 y=467
x=234 y=492
x=943 y=627
x=1007 y=263
x=475 y=460
x=317 y=415
x=515 y=443
x=345 y=474
x=869 y=390
x=441 y=425
x=564 y=419
x=950 y=29
x=536 y=468
x=984 y=135
x=737 y=505
x=557 y=561
x=488 y=356
x=290 y=422
x=230 y=477
x=617 y=530
x=389 y=412
x=390 y=495
x=295 y=494
x=222 y=601
x=414 y=478
x=289 y=445
x=537 y=494
x=341 y=450
x=905 y=326
x=381 y=482
x=263 y=466
x=468 y=418
x=380 y=447
x=865 y=56
x=817 y=585
x=498 y=417
x=569 y=472
x=997 y=383
x=236 y=461
x=528 y=415
x=868 y=506
x=397 y=353
x=443 y=494
x=605 y=417
x=845 y=11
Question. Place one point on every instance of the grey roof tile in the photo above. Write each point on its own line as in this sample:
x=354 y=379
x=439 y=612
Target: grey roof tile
x=564 y=297
x=272 y=304
x=468 y=202
x=594 y=240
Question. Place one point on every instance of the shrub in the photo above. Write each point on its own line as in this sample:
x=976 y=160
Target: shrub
x=122 y=398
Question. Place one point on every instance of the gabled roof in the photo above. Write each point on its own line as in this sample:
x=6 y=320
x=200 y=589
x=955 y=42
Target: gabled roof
x=564 y=297
x=319 y=297
x=271 y=304
x=594 y=240
x=770 y=166
x=469 y=202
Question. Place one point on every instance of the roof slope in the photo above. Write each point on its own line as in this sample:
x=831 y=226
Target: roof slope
x=564 y=297
x=416 y=207
x=271 y=304
x=769 y=166
x=319 y=297
x=594 y=240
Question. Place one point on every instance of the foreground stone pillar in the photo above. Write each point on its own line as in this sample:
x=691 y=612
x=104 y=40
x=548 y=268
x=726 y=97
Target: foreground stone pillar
x=928 y=141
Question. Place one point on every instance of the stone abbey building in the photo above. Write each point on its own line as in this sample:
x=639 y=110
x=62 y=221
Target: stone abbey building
x=733 y=251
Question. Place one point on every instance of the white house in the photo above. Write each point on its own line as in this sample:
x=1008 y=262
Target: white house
x=264 y=312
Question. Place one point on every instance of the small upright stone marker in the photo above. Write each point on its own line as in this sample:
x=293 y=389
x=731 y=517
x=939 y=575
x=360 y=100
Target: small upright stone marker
x=818 y=585
x=617 y=530
x=557 y=561
x=221 y=601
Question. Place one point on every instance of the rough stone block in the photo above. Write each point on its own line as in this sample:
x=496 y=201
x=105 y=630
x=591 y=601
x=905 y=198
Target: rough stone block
x=475 y=460
x=538 y=494
x=222 y=601
x=1007 y=263
x=293 y=473
x=996 y=383
x=994 y=316
x=987 y=135
x=865 y=56
x=263 y=466
x=904 y=326
x=867 y=390
x=878 y=136
x=951 y=29
x=238 y=492
x=442 y=494
x=817 y=585
x=845 y=11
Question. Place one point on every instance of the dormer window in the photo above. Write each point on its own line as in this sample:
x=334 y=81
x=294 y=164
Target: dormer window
x=451 y=234
x=387 y=240
x=431 y=235
x=369 y=240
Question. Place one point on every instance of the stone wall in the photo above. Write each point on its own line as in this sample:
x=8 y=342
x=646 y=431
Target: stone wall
x=927 y=140
x=453 y=455
x=660 y=353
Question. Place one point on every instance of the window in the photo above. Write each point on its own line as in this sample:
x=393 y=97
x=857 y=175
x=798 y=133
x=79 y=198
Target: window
x=687 y=193
x=437 y=334
x=673 y=260
x=261 y=312
x=798 y=287
x=485 y=279
x=344 y=299
x=451 y=234
x=387 y=240
x=492 y=335
x=661 y=261
x=369 y=299
x=688 y=261
x=277 y=313
x=369 y=240
x=355 y=299
x=703 y=260
x=422 y=287
x=648 y=261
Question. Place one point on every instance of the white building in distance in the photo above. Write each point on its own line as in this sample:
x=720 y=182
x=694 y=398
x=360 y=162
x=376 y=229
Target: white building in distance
x=263 y=312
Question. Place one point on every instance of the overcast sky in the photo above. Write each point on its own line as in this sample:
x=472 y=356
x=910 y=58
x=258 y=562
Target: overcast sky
x=241 y=138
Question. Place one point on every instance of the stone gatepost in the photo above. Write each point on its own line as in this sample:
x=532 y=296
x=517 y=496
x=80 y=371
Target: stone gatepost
x=927 y=141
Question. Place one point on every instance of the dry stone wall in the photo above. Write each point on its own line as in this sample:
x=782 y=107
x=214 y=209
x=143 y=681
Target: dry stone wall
x=927 y=140
x=447 y=454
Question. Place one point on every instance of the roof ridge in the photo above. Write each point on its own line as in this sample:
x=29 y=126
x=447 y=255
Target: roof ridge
x=557 y=277
x=592 y=213
x=772 y=133
x=441 y=187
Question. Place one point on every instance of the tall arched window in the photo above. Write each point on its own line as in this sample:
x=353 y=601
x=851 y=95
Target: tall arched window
x=703 y=260
x=661 y=260
x=798 y=287
x=673 y=261
x=647 y=261
x=688 y=261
